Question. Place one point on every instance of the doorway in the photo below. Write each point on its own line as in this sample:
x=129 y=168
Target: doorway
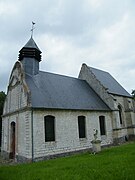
x=12 y=144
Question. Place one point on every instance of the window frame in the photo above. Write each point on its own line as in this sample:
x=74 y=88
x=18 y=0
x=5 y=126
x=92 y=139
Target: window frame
x=102 y=125
x=49 y=122
x=82 y=127
x=120 y=114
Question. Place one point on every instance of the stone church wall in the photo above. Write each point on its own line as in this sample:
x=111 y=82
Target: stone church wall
x=90 y=78
x=66 y=131
x=22 y=122
x=17 y=111
x=121 y=131
x=16 y=99
x=125 y=130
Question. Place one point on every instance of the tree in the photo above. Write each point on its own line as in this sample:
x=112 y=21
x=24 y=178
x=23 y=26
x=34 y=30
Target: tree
x=2 y=99
x=133 y=94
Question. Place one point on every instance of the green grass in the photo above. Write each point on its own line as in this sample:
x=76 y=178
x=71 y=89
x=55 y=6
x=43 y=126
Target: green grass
x=111 y=163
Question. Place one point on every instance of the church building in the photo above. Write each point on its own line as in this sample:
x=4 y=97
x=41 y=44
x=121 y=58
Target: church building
x=48 y=115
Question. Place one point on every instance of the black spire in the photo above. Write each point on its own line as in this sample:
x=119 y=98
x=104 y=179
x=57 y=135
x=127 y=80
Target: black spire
x=30 y=50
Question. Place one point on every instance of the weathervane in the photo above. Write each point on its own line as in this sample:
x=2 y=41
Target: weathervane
x=32 y=29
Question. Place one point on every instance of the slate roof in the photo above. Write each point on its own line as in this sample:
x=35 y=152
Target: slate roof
x=54 y=91
x=31 y=44
x=30 y=50
x=109 y=82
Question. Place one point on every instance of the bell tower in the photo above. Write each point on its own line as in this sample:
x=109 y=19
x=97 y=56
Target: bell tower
x=30 y=56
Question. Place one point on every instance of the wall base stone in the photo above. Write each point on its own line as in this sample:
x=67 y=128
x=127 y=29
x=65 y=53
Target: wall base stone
x=131 y=137
x=22 y=159
x=65 y=154
x=120 y=140
x=123 y=139
x=5 y=155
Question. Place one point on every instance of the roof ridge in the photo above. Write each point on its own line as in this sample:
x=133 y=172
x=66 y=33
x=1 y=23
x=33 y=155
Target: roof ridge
x=66 y=76
x=99 y=69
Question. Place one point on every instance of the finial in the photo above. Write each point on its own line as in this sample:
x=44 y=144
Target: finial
x=32 y=29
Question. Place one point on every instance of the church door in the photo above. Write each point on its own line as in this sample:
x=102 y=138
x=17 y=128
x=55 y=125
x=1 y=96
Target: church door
x=12 y=145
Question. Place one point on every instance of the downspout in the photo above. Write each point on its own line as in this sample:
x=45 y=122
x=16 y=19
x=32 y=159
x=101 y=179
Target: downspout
x=32 y=139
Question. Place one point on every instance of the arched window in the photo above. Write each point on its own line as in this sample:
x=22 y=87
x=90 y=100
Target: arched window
x=81 y=127
x=49 y=128
x=102 y=125
x=120 y=113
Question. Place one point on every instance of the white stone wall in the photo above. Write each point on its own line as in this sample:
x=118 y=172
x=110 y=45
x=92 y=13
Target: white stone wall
x=16 y=109
x=18 y=91
x=5 y=135
x=91 y=79
x=16 y=99
x=128 y=118
x=22 y=133
x=127 y=111
x=66 y=131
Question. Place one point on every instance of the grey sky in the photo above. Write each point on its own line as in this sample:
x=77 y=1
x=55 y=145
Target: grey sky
x=69 y=33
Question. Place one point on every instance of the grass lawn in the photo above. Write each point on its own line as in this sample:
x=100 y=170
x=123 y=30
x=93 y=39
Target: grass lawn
x=111 y=163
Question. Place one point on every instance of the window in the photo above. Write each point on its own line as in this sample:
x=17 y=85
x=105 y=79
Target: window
x=49 y=128
x=81 y=126
x=102 y=125
x=120 y=113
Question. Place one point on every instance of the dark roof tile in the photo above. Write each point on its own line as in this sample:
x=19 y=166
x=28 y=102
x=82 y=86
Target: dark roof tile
x=61 y=92
x=109 y=82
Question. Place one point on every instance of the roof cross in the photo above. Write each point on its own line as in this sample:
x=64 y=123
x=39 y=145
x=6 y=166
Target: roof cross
x=32 y=29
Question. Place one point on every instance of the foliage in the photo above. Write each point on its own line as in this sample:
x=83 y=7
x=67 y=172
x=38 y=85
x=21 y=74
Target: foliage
x=2 y=99
x=133 y=94
x=112 y=163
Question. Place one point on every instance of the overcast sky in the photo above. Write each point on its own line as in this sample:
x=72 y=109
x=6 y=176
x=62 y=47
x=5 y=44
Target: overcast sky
x=100 y=33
